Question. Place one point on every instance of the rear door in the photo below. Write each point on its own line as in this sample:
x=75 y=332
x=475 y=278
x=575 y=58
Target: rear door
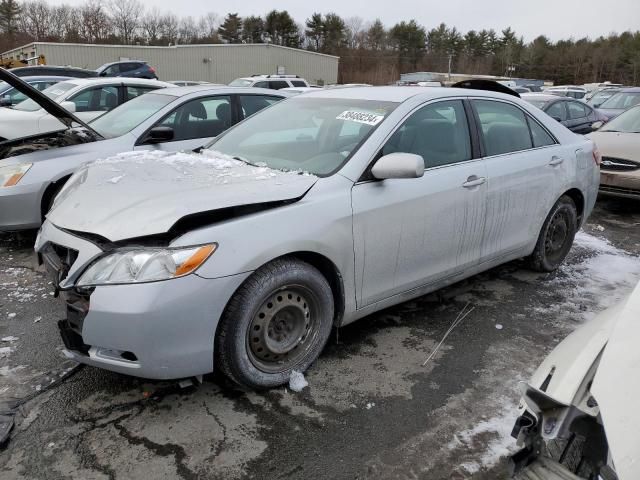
x=524 y=170
x=410 y=233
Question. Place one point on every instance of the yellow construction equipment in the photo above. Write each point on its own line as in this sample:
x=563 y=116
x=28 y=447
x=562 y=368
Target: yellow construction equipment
x=12 y=63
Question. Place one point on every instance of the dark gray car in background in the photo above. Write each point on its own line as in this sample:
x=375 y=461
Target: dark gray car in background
x=577 y=116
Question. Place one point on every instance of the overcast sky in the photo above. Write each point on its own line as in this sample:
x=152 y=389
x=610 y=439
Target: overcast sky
x=555 y=18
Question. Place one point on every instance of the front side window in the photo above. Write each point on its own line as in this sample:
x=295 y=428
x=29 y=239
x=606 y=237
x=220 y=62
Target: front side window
x=307 y=134
x=200 y=118
x=504 y=127
x=100 y=99
x=438 y=132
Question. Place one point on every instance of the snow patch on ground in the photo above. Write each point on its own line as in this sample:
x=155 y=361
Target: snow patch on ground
x=494 y=433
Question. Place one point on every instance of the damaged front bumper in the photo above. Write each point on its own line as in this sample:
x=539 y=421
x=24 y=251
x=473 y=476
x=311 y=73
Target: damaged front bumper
x=157 y=330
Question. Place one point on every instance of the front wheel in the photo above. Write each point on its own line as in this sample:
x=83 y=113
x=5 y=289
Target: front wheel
x=556 y=237
x=278 y=321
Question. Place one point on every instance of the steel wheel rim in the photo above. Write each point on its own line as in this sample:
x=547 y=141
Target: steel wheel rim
x=283 y=329
x=557 y=234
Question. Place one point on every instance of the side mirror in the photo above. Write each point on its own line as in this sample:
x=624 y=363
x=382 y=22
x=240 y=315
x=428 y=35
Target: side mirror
x=398 y=165
x=69 y=106
x=159 y=135
x=597 y=125
x=103 y=73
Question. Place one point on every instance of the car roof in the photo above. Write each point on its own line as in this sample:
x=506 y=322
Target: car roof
x=42 y=78
x=81 y=82
x=217 y=89
x=53 y=67
x=401 y=94
x=122 y=61
x=630 y=90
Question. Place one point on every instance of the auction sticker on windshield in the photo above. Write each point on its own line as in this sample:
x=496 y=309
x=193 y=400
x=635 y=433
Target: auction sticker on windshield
x=360 y=117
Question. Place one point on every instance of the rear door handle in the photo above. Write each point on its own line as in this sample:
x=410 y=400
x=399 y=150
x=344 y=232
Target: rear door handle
x=556 y=161
x=474 y=181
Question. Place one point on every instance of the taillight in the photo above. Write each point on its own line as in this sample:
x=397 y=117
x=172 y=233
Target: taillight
x=153 y=70
x=597 y=156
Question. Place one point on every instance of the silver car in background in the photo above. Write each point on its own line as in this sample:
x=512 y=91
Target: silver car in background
x=180 y=118
x=315 y=212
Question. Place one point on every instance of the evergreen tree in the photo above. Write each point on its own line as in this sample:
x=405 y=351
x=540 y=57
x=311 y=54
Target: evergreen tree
x=231 y=29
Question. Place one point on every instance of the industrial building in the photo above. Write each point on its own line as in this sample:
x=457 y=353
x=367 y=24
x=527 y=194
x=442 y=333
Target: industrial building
x=219 y=63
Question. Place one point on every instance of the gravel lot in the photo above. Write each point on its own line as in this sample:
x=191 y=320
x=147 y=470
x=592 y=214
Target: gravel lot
x=372 y=409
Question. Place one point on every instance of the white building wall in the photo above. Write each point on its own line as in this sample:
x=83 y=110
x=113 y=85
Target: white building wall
x=213 y=63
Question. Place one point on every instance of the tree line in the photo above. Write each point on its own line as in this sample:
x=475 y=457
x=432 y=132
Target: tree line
x=370 y=51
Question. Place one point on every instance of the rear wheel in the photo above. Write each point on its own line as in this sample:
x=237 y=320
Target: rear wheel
x=278 y=321
x=556 y=237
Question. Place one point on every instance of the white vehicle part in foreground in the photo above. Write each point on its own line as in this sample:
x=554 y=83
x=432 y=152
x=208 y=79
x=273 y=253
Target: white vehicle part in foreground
x=616 y=387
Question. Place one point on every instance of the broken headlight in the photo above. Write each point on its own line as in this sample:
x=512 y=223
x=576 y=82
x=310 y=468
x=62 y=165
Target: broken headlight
x=12 y=174
x=145 y=265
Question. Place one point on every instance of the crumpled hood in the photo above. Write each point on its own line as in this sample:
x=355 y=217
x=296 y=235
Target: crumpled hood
x=136 y=194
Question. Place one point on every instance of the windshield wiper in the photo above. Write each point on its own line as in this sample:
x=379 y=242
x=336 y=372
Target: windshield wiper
x=244 y=160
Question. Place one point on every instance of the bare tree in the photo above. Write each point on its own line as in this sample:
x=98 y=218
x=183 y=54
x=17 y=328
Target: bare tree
x=208 y=26
x=152 y=26
x=355 y=32
x=126 y=15
x=95 y=25
x=169 y=28
x=187 y=30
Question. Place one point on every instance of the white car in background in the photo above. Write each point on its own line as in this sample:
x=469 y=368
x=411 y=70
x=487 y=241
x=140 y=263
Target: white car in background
x=86 y=98
x=273 y=82
x=579 y=417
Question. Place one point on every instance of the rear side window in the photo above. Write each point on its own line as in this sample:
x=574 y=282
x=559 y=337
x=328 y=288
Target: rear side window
x=557 y=111
x=136 y=91
x=504 y=127
x=200 y=118
x=438 y=132
x=298 y=83
x=96 y=99
x=278 y=84
x=261 y=84
x=251 y=104
x=577 y=110
x=541 y=137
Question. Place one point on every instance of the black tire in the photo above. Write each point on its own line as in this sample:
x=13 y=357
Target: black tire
x=279 y=320
x=556 y=237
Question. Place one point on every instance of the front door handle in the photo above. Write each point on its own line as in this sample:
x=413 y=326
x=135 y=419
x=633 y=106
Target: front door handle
x=474 y=181
x=556 y=161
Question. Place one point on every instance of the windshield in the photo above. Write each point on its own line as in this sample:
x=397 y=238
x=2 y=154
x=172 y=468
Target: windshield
x=627 y=122
x=241 y=82
x=129 y=115
x=315 y=135
x=622 y=100
x=600 y=97
x=54 y=92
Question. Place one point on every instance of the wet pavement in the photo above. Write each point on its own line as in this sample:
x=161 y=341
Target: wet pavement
x=373 y=409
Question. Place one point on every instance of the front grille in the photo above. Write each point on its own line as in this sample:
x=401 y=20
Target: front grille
x=618 y=164
x=71 y=327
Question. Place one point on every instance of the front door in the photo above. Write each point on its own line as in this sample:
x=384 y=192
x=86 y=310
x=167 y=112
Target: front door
x=409 y=233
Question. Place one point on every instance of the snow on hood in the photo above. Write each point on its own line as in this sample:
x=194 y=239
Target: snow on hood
x=136 y=194
x=616 y=387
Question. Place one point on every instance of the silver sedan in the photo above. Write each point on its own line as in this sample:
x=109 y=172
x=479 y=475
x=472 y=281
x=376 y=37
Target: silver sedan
x=311 y=214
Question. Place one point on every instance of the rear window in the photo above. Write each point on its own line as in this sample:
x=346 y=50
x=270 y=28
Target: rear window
x=298 y=83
